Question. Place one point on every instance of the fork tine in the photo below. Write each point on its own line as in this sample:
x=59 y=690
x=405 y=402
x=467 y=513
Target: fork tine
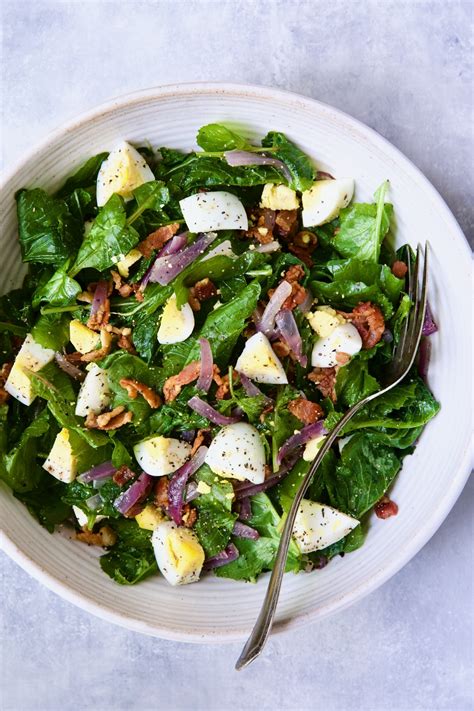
x=403 y=334
x=417 y=315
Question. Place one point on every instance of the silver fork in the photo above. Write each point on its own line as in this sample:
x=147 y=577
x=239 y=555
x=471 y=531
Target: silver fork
x=404 y=356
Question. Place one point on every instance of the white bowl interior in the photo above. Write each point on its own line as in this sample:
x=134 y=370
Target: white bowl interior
x=431 y=479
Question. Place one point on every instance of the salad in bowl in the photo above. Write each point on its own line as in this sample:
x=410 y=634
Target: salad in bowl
x=191 y=327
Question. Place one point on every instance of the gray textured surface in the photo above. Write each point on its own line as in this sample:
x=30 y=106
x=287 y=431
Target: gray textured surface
x=404 y=68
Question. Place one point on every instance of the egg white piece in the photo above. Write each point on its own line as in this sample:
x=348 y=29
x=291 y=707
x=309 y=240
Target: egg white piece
x=159 y=455
x=31 y=356
x=122 y=172
x=176 y=324
x=178 y=553
x=237 y=452
x=83 y=519
x=94 y=394
x=224 y=249
x=323 y=201
x=344 y=339
x=318 y=526
x=259 y=361
x=220 y=210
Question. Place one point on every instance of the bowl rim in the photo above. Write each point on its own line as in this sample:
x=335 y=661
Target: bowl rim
x=388 y=568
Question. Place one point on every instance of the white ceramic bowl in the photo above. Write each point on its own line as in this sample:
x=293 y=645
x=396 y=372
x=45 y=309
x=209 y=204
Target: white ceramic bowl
x=431 y=480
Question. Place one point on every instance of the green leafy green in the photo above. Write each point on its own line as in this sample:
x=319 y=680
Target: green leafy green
x=363 y=227
x=131 y=558
x=59 y=290
x=124 y=365
x=259 y=555
x=297 y=162
x=52 y=331
x=48 y=232
x=354 y=382
x=216 y=137
x=216 y=520
x=109 y=239
x=45 y=503
x=84 y=177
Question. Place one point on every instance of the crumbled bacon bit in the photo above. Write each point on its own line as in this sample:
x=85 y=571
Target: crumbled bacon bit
x=303 y=245
x=198 y=440
x=121 y=286
x=157 y=239
x=74 y=358
x=201 y=291
x=293 y=276
x=109 y=420
x=223 y=386
x=385 y=508
x=189 y=515
x=134 y=510
x=100 y=318
x=125 y=343
x=122 y=475
x=266 y=411
x=106 y=343
x=262 y=222
x=305 y=410
x=133 y=387
x=286 y=223
x=399 y=269
x=325 y=381
x=342 y=358
x=369 y=321
x=175 y=383
x=160 y=491
x=281 y=349
x=4 y=373
x=104 y=537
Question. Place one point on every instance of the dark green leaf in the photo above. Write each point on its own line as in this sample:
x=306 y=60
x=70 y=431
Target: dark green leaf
x=216 y=520
x=85 y=176
x=215 y=137
x=297 y=162
x=131 y=559
x=52 y=331
x=47 y=231
x=59 y=290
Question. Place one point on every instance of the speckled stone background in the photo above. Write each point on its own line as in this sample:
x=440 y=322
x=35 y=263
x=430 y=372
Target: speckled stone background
x=404 y=68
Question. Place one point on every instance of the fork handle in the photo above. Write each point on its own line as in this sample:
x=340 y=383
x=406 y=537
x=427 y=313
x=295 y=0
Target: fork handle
x=262 y=627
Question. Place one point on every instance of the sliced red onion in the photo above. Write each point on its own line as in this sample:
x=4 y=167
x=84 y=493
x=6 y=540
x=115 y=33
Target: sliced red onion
x=429 y=325
x=424 y=356
x=165 y=269
x=237 y=158
x=317 y=429
x=226 y=556
x=69 y=368
x=174 y=245
x=268 y=248
x=207 y=363
x=191 y=492
x=188 y=436
x=251 y=389
x=94 y=503
x=387 y=336
x=101 y=471
x=267 y=322
x=137 y=491
x=322 y=175
x=178 y=482
x=289 y=332
x=203 y=408
x=100 y=297
x=241 y=530
x=245 y=509
x=305 y=306
x=246 y=489
x=99 y=483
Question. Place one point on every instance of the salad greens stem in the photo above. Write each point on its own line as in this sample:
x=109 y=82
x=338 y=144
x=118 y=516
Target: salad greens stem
x=16 y=330
x=63 y=309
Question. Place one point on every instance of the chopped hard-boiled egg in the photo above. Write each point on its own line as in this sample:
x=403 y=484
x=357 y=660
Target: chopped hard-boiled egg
x=62 y=461
x=159 y=455
x=312 y=448
x=83 y=338
x=149 y=518
x=218 y=210
x=259 y=362
x=318 y=526
x=341 y=443
x=128 y=261
x=122 y=172
x=33 y=357
x=323 y=201
x=82 y=517
x=344 y=339
x=324 y=320
x=179 y=554
x=176 y=324
x=224 y=249
x=237 y=452
x=279 y=197
x=95 y=394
